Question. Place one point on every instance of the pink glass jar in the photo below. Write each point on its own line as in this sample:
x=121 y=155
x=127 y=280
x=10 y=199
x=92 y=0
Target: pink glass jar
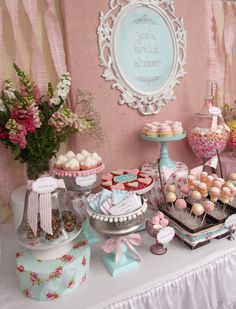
x=209 y=133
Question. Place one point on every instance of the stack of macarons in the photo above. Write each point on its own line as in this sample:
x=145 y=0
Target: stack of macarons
x=162 y=129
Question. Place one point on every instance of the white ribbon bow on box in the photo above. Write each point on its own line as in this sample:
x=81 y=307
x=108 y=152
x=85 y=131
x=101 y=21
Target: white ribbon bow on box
x=39 y=201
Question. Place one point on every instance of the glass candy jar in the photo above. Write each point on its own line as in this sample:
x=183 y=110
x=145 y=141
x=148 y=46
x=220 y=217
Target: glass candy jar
x=209 y=133
x=49 y=220
x=230 y=118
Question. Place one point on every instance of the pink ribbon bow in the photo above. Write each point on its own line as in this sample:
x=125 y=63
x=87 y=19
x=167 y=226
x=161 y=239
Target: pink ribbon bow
x=41 y=203
x=115 y=244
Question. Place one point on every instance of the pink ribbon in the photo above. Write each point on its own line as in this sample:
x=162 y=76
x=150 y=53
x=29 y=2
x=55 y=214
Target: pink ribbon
x=41 y=203
x=115 y=244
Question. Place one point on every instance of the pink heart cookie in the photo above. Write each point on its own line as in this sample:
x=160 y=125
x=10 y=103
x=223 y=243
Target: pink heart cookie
x=143 y=175
x=107 y=177
x=118 y=172
x=133 y=171
x=145 y=181
x=106 y=183
x=133 y=184
x=118 y=186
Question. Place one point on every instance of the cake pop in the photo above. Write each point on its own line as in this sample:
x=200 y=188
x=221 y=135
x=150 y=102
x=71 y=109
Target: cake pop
x=171 y=198
x=196 y=184
x=225 y=196
x=208 y=207
x=202 y=187
x=197 y=209
x=232 y=177
x=181 y=205
x=171 y=188
x=191 y=179
x=185 y=190
x=209 y=181
x=217 y=184
x=203 y=176
x=195 y=195
x=214 y=194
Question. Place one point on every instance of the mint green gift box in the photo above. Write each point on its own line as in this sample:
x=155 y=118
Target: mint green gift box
x=51 y=279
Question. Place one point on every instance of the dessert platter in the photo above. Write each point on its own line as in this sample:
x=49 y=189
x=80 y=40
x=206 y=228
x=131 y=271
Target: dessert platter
x=79 y=170
x=129 y=180
x=163 y=133
x=198 y=213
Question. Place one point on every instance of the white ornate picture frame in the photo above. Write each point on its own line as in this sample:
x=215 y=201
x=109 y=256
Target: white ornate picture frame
x=142 y=47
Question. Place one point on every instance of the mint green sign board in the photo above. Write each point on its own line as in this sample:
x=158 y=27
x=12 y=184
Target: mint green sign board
x=125 y=178
x=144 y=49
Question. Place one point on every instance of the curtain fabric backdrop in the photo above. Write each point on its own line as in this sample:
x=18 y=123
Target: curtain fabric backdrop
x=31 y=35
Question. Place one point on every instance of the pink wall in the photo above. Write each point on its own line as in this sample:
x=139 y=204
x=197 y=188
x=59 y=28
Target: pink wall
x=122 y=146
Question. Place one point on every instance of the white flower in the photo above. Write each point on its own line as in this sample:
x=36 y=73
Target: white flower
x=8 y=90
x=63 y=92
x=55 y=100
x=2 y=106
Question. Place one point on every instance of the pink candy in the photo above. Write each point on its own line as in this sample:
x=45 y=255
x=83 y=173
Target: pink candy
x=204 y=146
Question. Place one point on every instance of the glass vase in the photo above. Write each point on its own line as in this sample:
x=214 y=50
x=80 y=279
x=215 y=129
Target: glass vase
x=34 y=169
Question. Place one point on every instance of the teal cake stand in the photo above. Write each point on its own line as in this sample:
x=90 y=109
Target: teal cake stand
x=164 y=154
x=127 y=262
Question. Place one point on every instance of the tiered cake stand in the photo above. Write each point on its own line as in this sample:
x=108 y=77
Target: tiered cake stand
x=81 y=183
x=164 y=154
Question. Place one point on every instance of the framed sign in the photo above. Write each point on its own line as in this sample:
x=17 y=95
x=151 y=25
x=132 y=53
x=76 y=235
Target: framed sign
x=142 y=47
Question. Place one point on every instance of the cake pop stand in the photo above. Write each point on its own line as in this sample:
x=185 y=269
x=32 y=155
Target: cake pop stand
x=119 y=229
x=81 y=183
x=164 y=154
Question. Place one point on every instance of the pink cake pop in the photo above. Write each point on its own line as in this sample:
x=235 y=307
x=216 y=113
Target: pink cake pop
x=196 y=184
x=185 y=189
x=191 y=179
x=181 y=205
x=203 y=176
x=217 y=184
x=208 y=207
x=214 y=194
x=225 y=196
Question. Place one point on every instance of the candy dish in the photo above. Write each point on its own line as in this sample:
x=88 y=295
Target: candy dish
x=110 y=225
x=153 y=227
x=120 y=252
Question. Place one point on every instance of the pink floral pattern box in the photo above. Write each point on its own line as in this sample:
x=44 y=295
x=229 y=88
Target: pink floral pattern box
x=48 y=280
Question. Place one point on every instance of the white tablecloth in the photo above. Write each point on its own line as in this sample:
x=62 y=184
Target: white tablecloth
x=181 y=279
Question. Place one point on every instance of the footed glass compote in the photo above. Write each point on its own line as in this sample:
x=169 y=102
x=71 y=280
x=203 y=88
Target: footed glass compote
x=164 y=154
x=121 y=254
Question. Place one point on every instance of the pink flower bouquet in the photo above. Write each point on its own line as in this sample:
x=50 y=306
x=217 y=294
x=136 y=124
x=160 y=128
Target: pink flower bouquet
x=33 y=125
